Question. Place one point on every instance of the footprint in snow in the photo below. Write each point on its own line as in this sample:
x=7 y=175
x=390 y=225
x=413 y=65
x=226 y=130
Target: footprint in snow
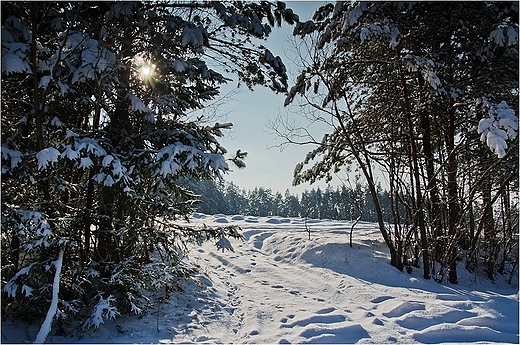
x=316 y=319
x=381 y=299
x=326 y=310
x=404 y=308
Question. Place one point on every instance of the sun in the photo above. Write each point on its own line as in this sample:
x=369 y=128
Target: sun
x=145 y=69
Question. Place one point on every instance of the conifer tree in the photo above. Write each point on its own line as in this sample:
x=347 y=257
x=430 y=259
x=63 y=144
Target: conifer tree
x=96 y=136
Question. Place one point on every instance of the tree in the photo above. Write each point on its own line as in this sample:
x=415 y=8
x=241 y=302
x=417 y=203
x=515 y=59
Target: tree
x=400 y=85
x=292 y=205
x=97 y=133
x=236 y=201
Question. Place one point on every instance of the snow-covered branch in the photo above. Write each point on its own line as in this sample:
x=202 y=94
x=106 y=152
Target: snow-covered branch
x=46 y=325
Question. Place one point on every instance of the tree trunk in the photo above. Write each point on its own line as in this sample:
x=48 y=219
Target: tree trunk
x=432 y=188
x=508 y=231
x=108 y=241
x=453 y=205
x=419 y=214
x=38 y=108
x=395 y=257
x=489 y=228
x=87 y=220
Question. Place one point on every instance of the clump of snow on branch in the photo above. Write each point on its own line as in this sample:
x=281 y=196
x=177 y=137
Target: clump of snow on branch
x=137 y=105
x=47 y=157
x=500 y=125
x=433 y=80
x=426 y=66
x=10 y=159
x=35 y=223
x=15 y=55
x=180 y=66
x=223 y=243
x=192 y=35
x=507 y=36
x=175 y=157
x=11 y=287
x=104 y=310
x=352 y=16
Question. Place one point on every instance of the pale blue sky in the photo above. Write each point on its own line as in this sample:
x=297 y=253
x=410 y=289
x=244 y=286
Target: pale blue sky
x=251 y=113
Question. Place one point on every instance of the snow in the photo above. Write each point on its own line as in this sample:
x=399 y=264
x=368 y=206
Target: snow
x=496 y=142
x=505 y=36
x=86 y=163
x=109 y=181
x=365 y=34
x=180 y=66
x=500 y=125
x=104 y=310
x=512 y=36
x=137 y=105
x=107 y=160
x=56 y=122
x=394 y=34
x=192 y=35
x=280 y=287
x=46 y=325
x=497 y=36
x=12 y=156
x=47 y=156
x=12 y=63
x=432 y=78
x=352 y=17
x=44 y=81
x=11 y=287
x=176 y=156
x=70 y=153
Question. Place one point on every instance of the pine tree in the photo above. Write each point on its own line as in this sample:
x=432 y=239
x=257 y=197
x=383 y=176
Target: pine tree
x=96 y=136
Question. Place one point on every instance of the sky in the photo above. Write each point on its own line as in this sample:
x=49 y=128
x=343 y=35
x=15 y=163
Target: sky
x=252 y=114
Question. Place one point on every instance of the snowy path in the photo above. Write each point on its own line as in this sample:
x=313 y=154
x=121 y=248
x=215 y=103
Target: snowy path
x=286 y=289
x=280 y=287
x=276 y=297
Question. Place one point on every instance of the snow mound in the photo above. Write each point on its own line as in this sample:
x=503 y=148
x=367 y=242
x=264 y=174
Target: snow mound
x=221 y=220
x=273 y=221
x=199 y=216
x=278 y=220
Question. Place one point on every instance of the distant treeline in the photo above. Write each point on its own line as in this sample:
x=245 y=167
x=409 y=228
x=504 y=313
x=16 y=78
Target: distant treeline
x=342 y=203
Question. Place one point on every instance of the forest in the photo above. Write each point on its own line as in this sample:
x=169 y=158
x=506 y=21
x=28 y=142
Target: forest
x=104 y=150
x=342 y=203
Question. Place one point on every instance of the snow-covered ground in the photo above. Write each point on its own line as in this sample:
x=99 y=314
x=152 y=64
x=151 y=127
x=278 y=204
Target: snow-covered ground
x=280 y=287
